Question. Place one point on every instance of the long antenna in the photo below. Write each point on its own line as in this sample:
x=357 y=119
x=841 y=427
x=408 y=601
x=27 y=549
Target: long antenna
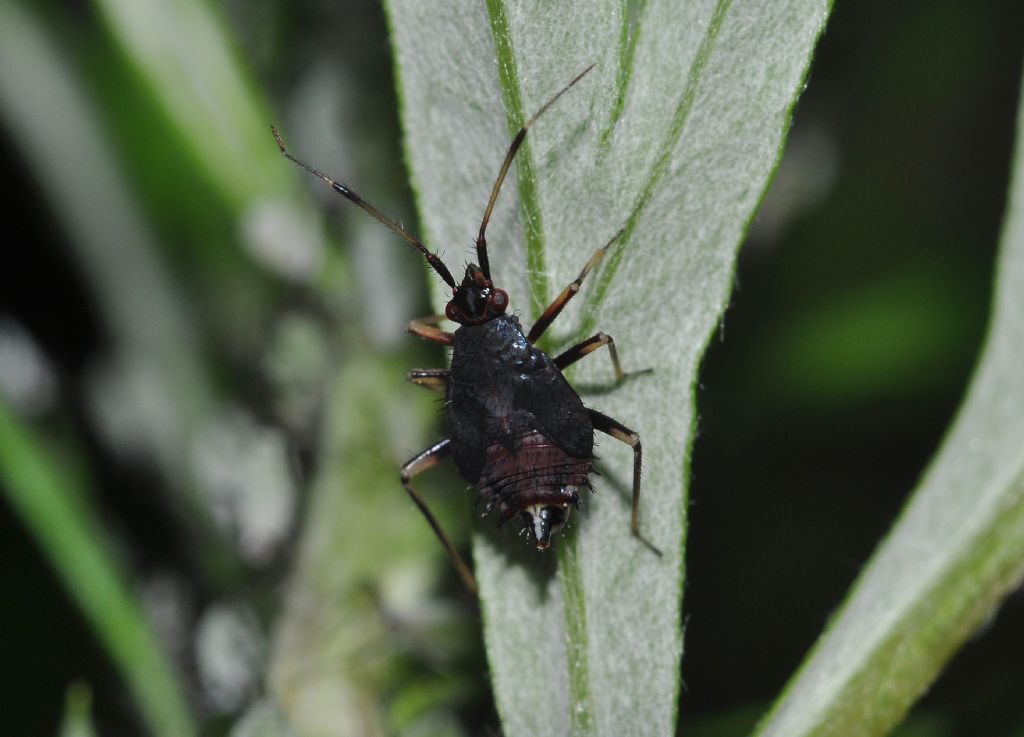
x=432 y=258
x=481 y=239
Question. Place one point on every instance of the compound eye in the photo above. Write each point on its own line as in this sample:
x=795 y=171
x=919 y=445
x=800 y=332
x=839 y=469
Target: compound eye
x=499 y=300
x=451 y=312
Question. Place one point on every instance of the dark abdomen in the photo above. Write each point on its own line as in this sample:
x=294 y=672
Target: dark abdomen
x=538 y=472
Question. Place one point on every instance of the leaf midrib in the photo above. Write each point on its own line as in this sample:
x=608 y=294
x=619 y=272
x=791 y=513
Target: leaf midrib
x=529 y=203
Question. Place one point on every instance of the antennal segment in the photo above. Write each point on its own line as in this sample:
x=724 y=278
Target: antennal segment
x=432 y=258
x=517 y=141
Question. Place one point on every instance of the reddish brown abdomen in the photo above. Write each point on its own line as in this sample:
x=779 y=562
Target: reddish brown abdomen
x=539 y=472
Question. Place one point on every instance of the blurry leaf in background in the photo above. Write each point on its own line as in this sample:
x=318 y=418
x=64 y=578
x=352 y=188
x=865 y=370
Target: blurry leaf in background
x=262 y=720
x=801 y=466
x=27 y=378
x=182 y=51
x=953 y=556
x=78 y=713
x=163 y=391
x=247 y=473
x=49 y=492
x=366 y=562
x=236 y=459
x=230 y=654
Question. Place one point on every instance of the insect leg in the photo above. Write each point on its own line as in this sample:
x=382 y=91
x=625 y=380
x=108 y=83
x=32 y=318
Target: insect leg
x=607 y=425
x=420 y=463
x=556 y=307
x=348 y=193
x=426 y=328
x=517 y=141
x=436 y=379
x=578 y=351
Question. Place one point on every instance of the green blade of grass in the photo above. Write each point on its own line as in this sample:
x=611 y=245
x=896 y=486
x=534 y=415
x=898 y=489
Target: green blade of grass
x=52 y=501
x=955 y=553
x=185 y=57
x=673 y=136
x=182 y=50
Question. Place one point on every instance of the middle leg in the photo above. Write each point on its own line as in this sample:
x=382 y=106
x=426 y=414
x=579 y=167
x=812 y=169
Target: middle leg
x=556 y=307
x=578 y=351
x=588 y=346
x=436 y=379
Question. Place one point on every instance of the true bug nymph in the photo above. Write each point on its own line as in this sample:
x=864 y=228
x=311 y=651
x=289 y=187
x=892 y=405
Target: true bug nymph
x=517 y=430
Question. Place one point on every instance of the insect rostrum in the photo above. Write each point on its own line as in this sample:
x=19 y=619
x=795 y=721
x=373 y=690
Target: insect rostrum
x=517 y=430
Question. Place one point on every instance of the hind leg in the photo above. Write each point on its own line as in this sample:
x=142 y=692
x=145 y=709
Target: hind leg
x=607 y=425
x=420 y=463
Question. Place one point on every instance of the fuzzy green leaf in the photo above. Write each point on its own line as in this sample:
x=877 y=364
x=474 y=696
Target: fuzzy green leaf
x=674 y=136
x=953 y=556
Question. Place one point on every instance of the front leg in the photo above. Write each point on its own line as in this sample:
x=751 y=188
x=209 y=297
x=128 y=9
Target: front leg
x=418 y=464
x=607 y=425
x=426 y=328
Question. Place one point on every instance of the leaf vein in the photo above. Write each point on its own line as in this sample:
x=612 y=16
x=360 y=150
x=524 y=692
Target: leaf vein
x=658 y=169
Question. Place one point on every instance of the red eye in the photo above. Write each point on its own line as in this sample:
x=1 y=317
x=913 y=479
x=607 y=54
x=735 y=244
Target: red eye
x=451 y=312
x=499 y=300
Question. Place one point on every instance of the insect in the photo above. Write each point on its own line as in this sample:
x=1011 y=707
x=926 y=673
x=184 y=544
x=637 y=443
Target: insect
x=518 y=431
